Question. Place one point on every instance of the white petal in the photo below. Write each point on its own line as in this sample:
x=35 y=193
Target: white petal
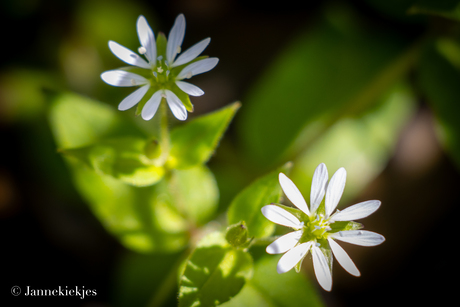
x=359 y=237
x=151 y=106
x=127 y=55
x=284 y=243
x=343 y=259
x=198 y=67
x=175 y=104
x=280 y=216
x=189 y=88
x=123 y=78
x=132 y=99
x=318 y=186
x=293 y=193
x=292 y=257
x=322 y=271
x=335 y=190
x=175 y=38
x=147 y=39
x=192 y=52
x=357 y=211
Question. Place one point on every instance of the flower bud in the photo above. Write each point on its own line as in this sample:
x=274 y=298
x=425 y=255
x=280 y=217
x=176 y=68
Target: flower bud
x=237 y=234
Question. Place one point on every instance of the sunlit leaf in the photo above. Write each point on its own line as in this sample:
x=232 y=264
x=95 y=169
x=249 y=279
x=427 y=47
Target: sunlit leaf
x=78 y=121
x=143 y=219
x=121 y=158
x=194 y=192
x=268 y=288
x=247 y=205
x=214 y=273
x=194 y=142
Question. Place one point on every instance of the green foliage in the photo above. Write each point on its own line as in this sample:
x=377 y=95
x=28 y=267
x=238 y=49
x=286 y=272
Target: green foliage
x=362 y=144
x=121 y=158
x=194 y=192
x=145 y=279
x=439 y=76
x=195 y=142
x=338 y=68
x=268 y=288
x=78 y=121
x=214 y=273
x=247 y=204
x=147 y=206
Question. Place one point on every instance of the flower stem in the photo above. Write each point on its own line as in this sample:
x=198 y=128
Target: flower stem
x=164 y=131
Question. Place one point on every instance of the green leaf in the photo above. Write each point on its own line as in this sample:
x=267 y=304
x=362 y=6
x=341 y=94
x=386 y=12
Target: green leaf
x=214 y=273
x=362 y=145
x=338 y=68
x=438 y=77
x=247 y=204
x=78 y=121
x=268 y=288
x=194 y=142
x=143 y=219
x=195 y=193
x=121 y=158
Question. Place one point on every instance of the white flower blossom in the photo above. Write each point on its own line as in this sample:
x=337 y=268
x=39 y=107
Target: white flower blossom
x=165 y=73
x=317 y=228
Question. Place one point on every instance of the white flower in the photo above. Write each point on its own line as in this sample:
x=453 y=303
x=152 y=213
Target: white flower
x=164 y=73
x=317 y=229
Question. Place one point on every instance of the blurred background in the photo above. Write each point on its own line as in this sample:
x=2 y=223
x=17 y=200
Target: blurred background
x=370 y=85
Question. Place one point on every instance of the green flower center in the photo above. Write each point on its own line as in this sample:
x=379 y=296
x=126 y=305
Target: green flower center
x=315 y=228
x=161 y=73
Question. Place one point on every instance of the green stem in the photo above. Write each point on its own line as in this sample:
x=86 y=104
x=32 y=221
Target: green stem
x=164 y=130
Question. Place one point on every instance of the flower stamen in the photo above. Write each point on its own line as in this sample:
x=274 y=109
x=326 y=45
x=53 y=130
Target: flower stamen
x=142 y=50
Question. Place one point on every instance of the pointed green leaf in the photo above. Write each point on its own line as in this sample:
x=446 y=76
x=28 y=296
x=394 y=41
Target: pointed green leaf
x=121 y=158
x=265 y=289
x=214 y=273
x=194 y=142
x=78 y=121
x=247 y=205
